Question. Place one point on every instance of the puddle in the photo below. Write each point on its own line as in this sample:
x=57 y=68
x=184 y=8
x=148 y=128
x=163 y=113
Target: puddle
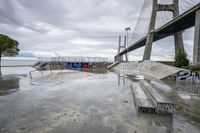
x=94 y=103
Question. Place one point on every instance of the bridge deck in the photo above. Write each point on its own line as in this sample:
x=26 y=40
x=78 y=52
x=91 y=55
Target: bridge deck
x=180 y=23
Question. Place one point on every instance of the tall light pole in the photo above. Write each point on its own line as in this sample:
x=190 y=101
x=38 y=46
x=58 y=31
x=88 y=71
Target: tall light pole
x=127 y=40
x=127 y=30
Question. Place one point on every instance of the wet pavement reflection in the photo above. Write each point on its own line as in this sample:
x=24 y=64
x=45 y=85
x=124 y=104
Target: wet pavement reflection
x=186 y=97
x=8 y=84
x=82 y=102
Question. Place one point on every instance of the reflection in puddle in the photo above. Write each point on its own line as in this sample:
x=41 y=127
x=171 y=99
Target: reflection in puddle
x=186 y=98
x=128 y=78
x=184 y=86
x=157 y=123
x=85 y=102
x=136 y=77
x=8 y=84
x=121 y=79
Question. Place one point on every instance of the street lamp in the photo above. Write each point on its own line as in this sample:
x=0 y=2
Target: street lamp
x=127 y=41
x=127 y=30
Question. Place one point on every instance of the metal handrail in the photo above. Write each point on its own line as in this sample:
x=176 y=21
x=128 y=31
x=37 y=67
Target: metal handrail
x=30 y=73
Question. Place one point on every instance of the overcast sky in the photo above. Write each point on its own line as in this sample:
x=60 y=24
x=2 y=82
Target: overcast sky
x=47 y=28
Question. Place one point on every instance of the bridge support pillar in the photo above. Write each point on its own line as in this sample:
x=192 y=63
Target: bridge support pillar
x=178 y=38
x=118 y=58
x=196 y=49
x=149 y=41
x=148 y=48
x=178 y=42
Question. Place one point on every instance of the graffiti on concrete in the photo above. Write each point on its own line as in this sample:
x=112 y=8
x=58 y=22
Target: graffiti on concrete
x=185 y=75
x=162 y=108
x=146 y=110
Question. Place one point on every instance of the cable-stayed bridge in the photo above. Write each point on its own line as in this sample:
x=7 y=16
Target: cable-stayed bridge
x=162 y=18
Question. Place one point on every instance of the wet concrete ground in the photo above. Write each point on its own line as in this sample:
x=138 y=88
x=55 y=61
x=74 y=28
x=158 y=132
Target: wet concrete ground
x=78 y=102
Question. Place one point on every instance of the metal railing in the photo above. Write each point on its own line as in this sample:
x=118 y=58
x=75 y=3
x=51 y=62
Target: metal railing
x=74 y=59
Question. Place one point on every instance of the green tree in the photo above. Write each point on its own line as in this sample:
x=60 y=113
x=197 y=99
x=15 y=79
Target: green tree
x=181 y=59
x=8 y=47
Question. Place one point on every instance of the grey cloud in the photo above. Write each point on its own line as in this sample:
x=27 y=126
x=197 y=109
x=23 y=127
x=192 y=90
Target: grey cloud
x=49 y=26
x=8 y=14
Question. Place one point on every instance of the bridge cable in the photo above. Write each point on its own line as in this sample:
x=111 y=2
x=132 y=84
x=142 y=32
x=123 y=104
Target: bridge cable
x=181 y=9
x=190 y=3
x=187 y=5
x=139 y=30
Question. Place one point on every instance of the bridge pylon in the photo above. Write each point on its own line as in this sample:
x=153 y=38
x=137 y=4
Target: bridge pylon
x=196 y=49
x=120 y=48
x=178 y=38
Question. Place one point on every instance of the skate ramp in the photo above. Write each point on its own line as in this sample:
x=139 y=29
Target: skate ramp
x=147 y=68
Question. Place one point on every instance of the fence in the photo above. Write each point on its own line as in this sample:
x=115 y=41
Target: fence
x=74 y=59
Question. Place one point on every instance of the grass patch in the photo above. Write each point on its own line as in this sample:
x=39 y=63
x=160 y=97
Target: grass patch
x=197 y=71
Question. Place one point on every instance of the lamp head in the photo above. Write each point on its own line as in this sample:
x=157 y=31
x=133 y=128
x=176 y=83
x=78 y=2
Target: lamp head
x=128 y=29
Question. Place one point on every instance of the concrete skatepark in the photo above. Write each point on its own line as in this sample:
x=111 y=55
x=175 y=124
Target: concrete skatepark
x=78 y=99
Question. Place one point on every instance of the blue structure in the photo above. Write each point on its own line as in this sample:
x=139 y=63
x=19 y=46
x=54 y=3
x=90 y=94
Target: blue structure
x=77 y=65
x=69 y=65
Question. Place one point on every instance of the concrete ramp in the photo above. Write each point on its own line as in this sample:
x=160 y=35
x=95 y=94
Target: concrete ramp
x=158 y=69
x=148 y=68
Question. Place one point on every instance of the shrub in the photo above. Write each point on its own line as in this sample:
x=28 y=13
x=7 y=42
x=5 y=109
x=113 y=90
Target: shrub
x=181 y=59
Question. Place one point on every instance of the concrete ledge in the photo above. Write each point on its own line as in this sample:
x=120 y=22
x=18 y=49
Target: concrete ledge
x=164 y=105
x=148 y=100
x=142 y=102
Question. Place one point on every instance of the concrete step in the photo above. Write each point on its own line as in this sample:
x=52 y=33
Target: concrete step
x=163 y=104
x=142 y=101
